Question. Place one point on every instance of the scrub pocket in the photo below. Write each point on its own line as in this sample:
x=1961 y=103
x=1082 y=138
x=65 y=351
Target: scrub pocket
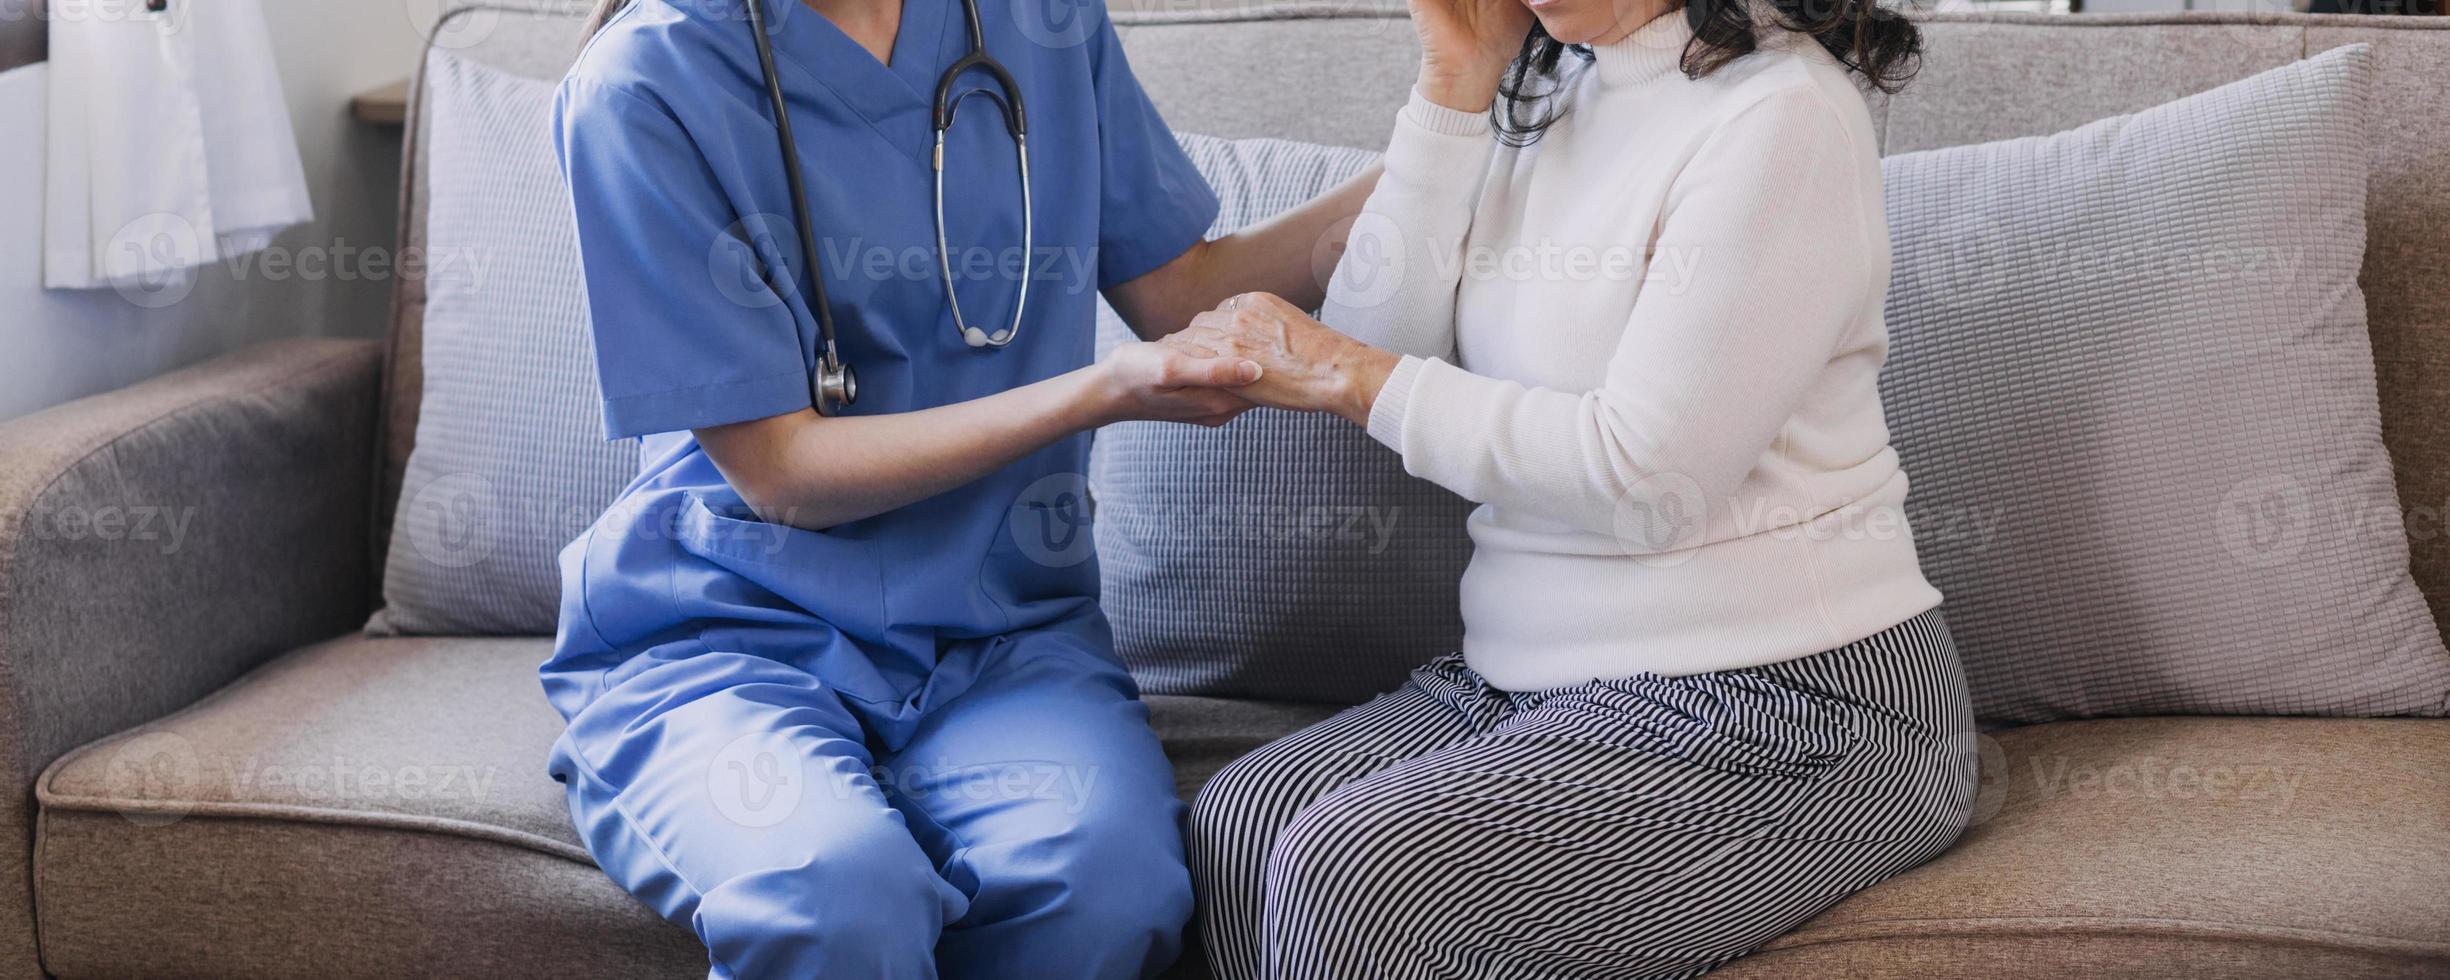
x=1043 y=556
x=819 y=578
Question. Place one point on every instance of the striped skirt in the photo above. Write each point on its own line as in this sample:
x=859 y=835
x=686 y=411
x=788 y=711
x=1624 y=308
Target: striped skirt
x=1645 y=827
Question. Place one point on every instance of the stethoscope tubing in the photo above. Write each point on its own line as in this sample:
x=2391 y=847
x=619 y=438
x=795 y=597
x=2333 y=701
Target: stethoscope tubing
x=974 y=336
x=832 y=382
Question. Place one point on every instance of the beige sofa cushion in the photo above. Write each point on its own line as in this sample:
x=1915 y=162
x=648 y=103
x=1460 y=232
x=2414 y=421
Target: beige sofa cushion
x=2154 y=847
x=367 y=808
x=379 y=808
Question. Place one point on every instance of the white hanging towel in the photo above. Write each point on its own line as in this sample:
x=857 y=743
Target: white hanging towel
x=169 y=144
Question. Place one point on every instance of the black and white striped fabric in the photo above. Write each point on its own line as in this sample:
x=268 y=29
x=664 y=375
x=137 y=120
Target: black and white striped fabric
x=1646 y=827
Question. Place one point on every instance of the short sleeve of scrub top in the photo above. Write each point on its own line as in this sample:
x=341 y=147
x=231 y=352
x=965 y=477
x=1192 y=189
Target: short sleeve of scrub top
x=687 y=334
x=1153 y=204
x=684 y=337
x=672 y=164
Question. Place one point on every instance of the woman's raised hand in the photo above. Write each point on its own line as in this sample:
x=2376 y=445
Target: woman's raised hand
x=1306 y=365
x=1465 y=48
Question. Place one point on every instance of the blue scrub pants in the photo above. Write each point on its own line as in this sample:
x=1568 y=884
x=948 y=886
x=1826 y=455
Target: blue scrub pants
x=1012 y=817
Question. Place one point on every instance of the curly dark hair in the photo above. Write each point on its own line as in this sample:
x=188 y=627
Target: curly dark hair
x=1878 y=43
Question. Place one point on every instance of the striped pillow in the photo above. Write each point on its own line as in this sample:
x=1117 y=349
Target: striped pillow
x=511 y=461
x=2132 y=382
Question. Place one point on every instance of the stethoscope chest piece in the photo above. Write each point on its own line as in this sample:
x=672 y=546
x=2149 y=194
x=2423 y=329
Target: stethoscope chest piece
x=836 y=384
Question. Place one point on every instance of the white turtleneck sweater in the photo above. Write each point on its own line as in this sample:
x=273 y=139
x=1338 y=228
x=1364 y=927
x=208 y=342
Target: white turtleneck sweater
x=1647 y=345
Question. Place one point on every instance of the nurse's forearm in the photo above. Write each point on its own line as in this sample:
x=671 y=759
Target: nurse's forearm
x=1290 y=255
x=814 y=472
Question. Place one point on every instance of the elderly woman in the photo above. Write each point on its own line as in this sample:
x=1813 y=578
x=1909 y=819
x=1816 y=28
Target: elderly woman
x=1630 y=261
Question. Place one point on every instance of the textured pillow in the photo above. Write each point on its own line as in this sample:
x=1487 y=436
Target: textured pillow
x=511 y=461
x=2131 y=381
x=1285 y=556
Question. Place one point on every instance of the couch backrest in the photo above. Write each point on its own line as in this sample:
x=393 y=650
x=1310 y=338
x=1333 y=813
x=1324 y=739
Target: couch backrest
x=1336 y=72
x=1999 y=76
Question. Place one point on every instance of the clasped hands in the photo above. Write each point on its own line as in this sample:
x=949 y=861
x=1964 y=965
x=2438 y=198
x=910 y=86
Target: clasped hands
x=1257 y=349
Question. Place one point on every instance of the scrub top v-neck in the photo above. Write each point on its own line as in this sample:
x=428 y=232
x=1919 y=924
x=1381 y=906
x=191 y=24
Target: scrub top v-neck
x=675 y=176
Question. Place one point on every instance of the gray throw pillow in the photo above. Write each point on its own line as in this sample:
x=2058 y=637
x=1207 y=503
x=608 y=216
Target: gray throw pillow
x=2132 y=383
x=1285 y=556
x=511 y=461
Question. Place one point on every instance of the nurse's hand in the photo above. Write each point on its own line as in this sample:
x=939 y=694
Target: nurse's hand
x=1306 y=365
x=1157 y=383
x=1465 y=48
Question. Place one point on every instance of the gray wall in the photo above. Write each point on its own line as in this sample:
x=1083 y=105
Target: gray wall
x=56 y=346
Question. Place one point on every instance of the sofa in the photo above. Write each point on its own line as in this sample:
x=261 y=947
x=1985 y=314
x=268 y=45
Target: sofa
x=215 y=773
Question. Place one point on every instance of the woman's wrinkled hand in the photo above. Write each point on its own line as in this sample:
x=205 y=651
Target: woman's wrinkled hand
x=1305 y=365
x=1465 y=48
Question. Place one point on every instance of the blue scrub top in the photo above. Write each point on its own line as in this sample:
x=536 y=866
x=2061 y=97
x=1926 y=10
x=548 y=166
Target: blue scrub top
x=670 y=150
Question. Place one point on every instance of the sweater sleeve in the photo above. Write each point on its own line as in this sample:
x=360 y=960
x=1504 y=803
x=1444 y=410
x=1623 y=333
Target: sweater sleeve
x=1395 y=286
x=1771 y=229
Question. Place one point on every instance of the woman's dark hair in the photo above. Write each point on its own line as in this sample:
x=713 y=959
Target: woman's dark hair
x=1878 y=43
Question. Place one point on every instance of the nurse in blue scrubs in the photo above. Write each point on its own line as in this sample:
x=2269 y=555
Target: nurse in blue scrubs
x=840 y=697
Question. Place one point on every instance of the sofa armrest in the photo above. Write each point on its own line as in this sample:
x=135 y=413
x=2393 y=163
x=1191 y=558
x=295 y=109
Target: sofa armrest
x=158 y=541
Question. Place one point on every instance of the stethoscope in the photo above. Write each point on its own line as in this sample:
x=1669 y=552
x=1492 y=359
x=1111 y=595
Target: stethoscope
x=833 y=385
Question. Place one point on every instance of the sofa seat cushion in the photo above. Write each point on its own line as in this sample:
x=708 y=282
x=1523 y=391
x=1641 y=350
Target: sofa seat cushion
x=380 y=808
x=2154 y=847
